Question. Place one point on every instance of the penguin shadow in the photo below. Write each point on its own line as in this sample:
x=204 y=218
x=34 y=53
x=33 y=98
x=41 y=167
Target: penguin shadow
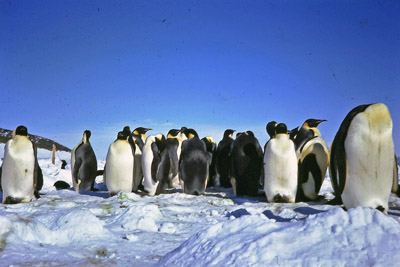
x=307 y=211
x=102 y=194
x=394 y=211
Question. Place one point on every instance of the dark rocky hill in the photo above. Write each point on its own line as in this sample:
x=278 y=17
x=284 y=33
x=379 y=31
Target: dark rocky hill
x=39 y=141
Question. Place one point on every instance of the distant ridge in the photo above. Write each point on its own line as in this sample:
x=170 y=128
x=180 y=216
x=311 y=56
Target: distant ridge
x=39 y=141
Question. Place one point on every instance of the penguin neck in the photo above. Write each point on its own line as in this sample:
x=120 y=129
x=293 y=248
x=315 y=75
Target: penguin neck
x=85 y=139
x=281 y=136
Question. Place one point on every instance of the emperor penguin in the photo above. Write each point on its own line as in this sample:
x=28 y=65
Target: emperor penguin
x=246 y=159
x=83 y=164
x=222 y=158
x=120 y=165
x=139 y=137
x=194 y=164
x=362 y=158
x=313 y=160
x=211 y=148
x=20 y=169
x=149 y=153
x=280 y=167
x=165 y=165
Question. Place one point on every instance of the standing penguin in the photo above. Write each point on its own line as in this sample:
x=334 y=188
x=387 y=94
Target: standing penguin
x=165 y=165
x=362 y=160
x=83 y=164
x=150 y=153
x=139 y=137
x=194 y=164
x=20 y=170
x=246 y=159
x=211 y=148
x=280 y=167
x=120 y=164
x=222 y=158
x=313 y=160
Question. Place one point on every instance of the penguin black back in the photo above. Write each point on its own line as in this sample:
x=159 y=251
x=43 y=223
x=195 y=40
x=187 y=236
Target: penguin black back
x=222 y=158
x=194 y=164
x=245 y=164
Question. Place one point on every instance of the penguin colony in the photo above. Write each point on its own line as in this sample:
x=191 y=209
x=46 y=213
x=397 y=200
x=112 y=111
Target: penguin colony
x=290 y=168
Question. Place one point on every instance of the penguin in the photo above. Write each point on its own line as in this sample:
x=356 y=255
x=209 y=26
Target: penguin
x=120 y=165
x=211 y=148
x=361 y=160
x=149 y=153
x=139 y=137
x=83 y=164
x=246 y=159
x=20 y=169
x=313 y=160
x=280 y=167
x=307 y=131
x=222 y=158
x=194 y=164
x=165 y=165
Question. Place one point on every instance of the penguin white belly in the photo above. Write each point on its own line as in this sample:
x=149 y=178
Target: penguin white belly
x=280 y=169
x=119 y=167
x=319 y=148
x=18 y=169
x=369 y=155
x=147 y=158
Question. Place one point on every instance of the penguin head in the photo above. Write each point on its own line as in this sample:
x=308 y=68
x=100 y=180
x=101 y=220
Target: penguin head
x=160 y=137
x=87 y=134
x=293 y=133
x=140 y=131
x=281 y=128
x=173 y=133
x=271 y=128
x=190 y=133
x=127 y=130
x=228 y=133
x=122 y=135
x=312 y=123
x=21 y=130
x=250 y=133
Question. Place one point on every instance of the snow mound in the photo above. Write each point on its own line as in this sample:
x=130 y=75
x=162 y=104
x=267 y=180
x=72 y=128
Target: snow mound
x=139 y=217
x=75 y=225
x=359 y=237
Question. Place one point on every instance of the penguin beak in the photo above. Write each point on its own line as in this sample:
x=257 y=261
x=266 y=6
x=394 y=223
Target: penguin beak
x=319 y=121
x=289 y=131
x=147 y=129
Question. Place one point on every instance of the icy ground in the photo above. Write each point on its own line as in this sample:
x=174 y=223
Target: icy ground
x=64 y=228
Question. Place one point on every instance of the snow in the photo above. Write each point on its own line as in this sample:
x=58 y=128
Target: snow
x=90 y=228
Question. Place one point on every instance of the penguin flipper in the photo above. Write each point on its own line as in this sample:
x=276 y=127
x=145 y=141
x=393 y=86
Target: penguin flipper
x=173 y=157
x=156 y=162
x=77 y=165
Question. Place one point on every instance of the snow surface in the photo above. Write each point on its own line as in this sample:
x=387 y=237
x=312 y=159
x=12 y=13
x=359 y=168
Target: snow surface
x=67 y=228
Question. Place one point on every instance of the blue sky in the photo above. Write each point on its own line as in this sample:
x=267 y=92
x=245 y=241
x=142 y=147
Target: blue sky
x=67 y=66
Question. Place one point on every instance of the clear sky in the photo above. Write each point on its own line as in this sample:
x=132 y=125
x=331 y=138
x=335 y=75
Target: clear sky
x=67 y=66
